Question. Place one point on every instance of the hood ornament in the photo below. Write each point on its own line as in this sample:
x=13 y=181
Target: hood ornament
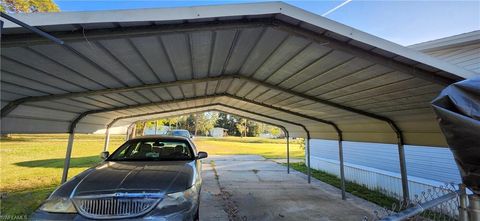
x=138 y=195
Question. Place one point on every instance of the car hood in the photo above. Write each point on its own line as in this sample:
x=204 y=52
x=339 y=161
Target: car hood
x=136 y=177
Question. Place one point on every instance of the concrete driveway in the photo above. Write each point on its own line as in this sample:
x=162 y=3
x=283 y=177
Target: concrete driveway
x=249 y=187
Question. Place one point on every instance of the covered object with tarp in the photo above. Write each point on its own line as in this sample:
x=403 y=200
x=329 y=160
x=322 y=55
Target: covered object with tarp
x=458 y=110
x=269 y=61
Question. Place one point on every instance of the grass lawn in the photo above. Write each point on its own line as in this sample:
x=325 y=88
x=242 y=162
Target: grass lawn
x=31 y=165
x=268 y=148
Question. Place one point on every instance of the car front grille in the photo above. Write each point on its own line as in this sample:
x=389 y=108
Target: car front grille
x=114 y=207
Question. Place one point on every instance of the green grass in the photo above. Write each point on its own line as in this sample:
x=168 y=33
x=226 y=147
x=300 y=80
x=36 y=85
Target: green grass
x=24 y=202
x=36 y=161
x=31 y=165
x=248 y=140
x=353 y=188
x=268 y=148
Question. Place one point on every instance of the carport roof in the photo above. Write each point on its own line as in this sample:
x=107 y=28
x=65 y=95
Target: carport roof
x=269 y=61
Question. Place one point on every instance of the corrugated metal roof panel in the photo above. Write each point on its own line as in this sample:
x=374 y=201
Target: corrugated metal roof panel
x=270 y=61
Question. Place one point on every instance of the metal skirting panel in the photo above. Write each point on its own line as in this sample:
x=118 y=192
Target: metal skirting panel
x=386 y=182
x=430 y=163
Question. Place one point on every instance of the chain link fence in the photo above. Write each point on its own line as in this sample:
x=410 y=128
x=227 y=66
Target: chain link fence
x=439 y=203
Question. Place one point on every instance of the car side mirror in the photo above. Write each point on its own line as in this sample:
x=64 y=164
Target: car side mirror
x=202 y=155
x=104 y=155
x=191 y=136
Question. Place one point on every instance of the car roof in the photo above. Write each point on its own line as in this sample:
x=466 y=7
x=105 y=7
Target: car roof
x=160 y=137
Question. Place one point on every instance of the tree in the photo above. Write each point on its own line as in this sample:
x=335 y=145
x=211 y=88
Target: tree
x=228 y=122
x=140 y=128
x=28 y=6
x=172 y=121
x=242 y=127
x=253 y=129
x=188 y=123
x=275 y=131
x=204 y=122
x=196 y=124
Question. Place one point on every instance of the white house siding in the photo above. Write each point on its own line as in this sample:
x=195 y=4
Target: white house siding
x=467 y=56
x=377 y=167
x=462 y=50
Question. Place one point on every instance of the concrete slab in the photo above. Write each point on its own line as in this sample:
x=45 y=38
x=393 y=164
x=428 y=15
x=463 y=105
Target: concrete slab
x=249 y=187
x=211 y=205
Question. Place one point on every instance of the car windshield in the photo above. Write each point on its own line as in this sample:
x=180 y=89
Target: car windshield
x=181 y=133
x=153 y=150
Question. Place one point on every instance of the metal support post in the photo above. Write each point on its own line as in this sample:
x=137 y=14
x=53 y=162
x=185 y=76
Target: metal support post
x=156 y=127
x=288 y=152
x=107 y=139
x=403 y=172
x=68 y=155
x=474 y=207
x=462 y=209
x=308 y=159
x=129 y=132
x=1 y=28
x=342 y=169
x=134 y=131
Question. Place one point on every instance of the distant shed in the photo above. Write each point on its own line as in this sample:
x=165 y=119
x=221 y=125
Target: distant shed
x=217 y=132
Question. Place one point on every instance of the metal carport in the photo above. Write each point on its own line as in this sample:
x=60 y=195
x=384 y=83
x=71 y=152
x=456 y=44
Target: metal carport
x=269 y=61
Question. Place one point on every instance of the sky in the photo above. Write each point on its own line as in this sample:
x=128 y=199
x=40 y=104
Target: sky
x=402 y=22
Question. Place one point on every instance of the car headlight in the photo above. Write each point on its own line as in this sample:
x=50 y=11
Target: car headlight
x=179 y=200
x=58 y=205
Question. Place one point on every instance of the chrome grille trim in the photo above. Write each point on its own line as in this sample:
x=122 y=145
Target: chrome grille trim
x=114 y=207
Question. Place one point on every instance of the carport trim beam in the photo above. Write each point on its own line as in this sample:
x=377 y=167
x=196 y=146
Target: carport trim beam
x=31 y=28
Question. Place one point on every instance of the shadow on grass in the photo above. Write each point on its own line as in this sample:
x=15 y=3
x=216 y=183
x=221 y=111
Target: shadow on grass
x=76 y=162
x=15 y=139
